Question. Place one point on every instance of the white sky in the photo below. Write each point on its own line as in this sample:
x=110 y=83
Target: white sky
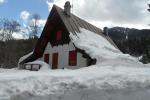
x=2 y=1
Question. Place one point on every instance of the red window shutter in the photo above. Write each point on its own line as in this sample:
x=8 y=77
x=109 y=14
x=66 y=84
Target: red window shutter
x=59 y=35
x=72 y=58
x=55 y=61
x=46 y=58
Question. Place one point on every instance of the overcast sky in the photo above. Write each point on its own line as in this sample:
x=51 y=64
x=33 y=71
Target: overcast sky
x=126 y=13
x=110 y=13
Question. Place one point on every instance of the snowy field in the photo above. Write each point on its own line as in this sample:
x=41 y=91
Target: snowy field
x=115 y=77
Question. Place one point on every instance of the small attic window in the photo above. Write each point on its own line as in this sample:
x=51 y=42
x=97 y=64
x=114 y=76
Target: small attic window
x=59 y=35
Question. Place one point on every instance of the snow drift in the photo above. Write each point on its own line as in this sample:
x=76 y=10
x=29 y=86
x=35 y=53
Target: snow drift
x=115 y=77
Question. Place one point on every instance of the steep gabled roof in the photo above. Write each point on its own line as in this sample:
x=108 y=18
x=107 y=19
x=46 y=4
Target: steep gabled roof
x=72 y=24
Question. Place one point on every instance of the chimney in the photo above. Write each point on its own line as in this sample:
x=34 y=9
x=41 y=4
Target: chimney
x=105 y=31
x=67 y=8
x=149 y=7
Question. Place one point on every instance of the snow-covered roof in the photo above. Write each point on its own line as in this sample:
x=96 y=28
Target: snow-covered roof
x=23 y=58
x=97 y=46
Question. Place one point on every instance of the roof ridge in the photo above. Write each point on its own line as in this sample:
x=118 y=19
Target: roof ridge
x=74 y=19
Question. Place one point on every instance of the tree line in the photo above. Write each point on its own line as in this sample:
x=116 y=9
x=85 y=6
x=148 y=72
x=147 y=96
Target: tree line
x=12 y=50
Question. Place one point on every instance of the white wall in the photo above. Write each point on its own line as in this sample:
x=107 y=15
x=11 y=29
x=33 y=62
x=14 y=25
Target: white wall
x=63 y=54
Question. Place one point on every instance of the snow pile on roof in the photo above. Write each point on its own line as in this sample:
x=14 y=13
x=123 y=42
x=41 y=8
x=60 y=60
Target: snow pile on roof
x=97 y=46
x=24 y=57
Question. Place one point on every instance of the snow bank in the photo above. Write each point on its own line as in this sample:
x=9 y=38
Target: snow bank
x=96 y=83
x=4 y=70
x=115 y=77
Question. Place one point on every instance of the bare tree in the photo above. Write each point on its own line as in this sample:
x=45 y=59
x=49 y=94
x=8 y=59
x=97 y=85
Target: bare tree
x=2 y=31
x=7 y=28
x=34 y=26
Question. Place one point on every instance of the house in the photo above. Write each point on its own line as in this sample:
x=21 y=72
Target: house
x=55 y=46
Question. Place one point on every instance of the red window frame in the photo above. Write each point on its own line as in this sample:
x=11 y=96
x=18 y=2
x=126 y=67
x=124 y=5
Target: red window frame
x=73 y=58
x=59 y=35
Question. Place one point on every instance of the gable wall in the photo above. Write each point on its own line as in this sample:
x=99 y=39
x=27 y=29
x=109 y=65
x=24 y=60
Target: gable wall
x=54 y=24
x=63 y=56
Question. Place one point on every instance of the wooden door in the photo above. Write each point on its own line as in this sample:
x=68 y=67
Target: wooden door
x=46 y=58
x=55 y=61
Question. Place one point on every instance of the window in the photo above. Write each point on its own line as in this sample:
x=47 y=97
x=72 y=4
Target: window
x=46 y=58
x=72 y=58
x=55 y=61
x=59 y=35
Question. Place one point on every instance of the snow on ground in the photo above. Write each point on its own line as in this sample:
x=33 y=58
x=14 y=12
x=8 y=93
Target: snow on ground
x=93 y=82
x=115 y=77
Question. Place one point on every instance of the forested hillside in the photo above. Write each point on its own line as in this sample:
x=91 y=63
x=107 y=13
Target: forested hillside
x=12 y=50
x=131 y=41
